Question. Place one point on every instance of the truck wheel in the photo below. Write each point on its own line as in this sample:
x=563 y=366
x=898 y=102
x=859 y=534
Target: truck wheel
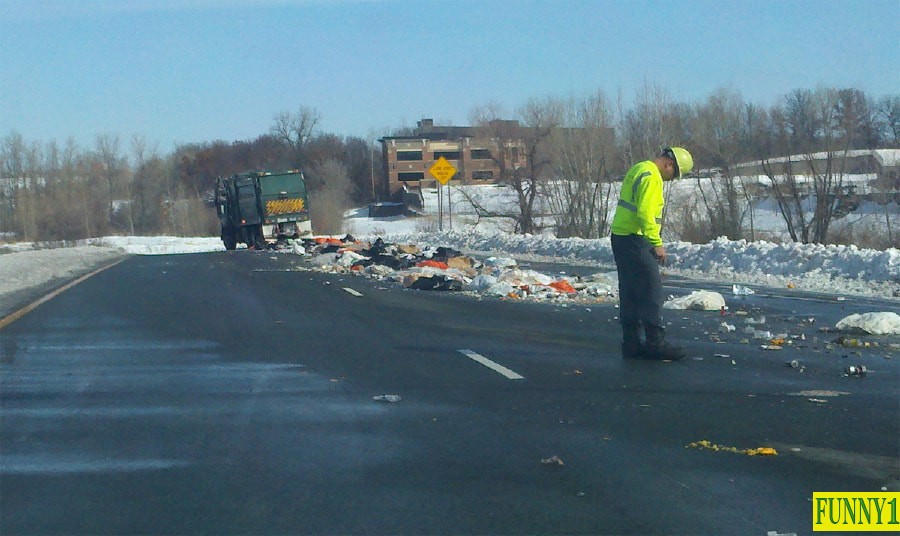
x=229 y=239
x=255 y=238
x=261 y=238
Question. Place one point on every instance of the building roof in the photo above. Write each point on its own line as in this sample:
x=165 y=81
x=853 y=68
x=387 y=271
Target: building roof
x=427 y=130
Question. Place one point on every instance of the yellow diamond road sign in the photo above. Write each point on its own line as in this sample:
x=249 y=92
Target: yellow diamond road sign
x=442 y=170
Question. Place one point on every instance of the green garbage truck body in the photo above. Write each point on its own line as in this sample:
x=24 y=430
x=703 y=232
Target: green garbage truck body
x=260 y=207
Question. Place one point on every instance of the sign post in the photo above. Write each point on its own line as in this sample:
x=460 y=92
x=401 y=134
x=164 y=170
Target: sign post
x=443 y=171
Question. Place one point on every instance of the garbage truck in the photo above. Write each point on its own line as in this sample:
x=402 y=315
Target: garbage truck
x=262 y=207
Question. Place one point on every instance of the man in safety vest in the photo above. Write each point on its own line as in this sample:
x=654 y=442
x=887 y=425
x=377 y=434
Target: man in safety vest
x=638 y=250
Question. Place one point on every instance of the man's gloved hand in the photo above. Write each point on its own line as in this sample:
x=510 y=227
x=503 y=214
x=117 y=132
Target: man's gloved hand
x=660 y=253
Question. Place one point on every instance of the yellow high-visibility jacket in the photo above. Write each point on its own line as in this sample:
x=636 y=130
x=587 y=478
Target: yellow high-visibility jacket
x=640 y=203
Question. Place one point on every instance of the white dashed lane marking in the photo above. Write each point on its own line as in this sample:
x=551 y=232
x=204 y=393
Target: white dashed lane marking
x=496 y=367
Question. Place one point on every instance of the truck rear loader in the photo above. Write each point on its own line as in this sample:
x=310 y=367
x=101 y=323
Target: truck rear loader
x=260 y=207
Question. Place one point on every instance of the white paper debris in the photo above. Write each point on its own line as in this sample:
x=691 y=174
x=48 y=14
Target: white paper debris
x=699 y=300
x=883 y=323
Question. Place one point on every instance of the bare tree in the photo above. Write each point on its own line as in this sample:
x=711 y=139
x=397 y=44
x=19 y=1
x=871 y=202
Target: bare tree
x=582 y=155
x=855 y=120
x=112 y=167
x=654 y=122
x=541 y=118
x=69 y=218
x=331 y=199
x=80 y=186
x=719 y=138
x=295 y=130
x=888 y=116
x=151 y=178
x=522 y=154
x=11 y=170
x=29 y=186
x=809 y=188
x=503 y=138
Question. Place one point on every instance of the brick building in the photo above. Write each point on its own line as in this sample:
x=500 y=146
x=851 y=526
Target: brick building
x=473 y=151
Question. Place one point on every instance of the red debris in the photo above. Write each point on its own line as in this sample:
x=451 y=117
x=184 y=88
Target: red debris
x=433 y=264
x=563 y=286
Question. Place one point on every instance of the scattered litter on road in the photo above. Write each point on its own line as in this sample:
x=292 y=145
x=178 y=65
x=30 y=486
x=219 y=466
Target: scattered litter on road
x=387 y=398
x=707 y=445
x=740 y=290
x=725 y=327
x=818 y=400
x=819 y=393
x=758 y=333
x=771 y=347
x=552 y=460
x=849 y=342
x=856 y=371
x=793 y=363
x=776 y=533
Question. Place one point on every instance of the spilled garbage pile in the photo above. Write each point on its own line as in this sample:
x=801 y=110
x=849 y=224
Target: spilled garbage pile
x=446 y=269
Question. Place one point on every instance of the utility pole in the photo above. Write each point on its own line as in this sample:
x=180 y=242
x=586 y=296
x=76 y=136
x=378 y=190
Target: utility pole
x=372 y=173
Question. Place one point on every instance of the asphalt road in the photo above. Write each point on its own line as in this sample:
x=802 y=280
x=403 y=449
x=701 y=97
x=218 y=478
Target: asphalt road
x=230 y=393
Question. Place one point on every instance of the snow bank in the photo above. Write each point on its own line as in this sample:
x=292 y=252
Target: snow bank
x=787 y=260
x=162 y=245
x=31 y=268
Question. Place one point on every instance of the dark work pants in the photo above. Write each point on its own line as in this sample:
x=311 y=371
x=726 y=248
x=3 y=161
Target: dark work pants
x=640 y=287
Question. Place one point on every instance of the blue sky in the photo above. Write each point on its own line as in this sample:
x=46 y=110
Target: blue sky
x=203 y=70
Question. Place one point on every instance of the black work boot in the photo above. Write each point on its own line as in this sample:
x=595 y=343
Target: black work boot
x=631 y=341
x=657 y=347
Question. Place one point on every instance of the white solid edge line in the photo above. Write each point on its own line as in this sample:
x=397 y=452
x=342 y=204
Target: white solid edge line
x=496 y=367
x=349 y=290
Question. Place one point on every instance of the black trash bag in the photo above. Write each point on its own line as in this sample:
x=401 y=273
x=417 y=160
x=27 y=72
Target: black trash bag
x=436 y=282
x=450 y=285
x=377 y=248
x=443 y=253
x=390 y=261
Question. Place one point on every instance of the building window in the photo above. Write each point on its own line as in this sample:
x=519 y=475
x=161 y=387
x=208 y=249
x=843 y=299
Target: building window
x=411 y=176
x=481 y=154
x=482 y=175
x=409 y=155
x=449 y=155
